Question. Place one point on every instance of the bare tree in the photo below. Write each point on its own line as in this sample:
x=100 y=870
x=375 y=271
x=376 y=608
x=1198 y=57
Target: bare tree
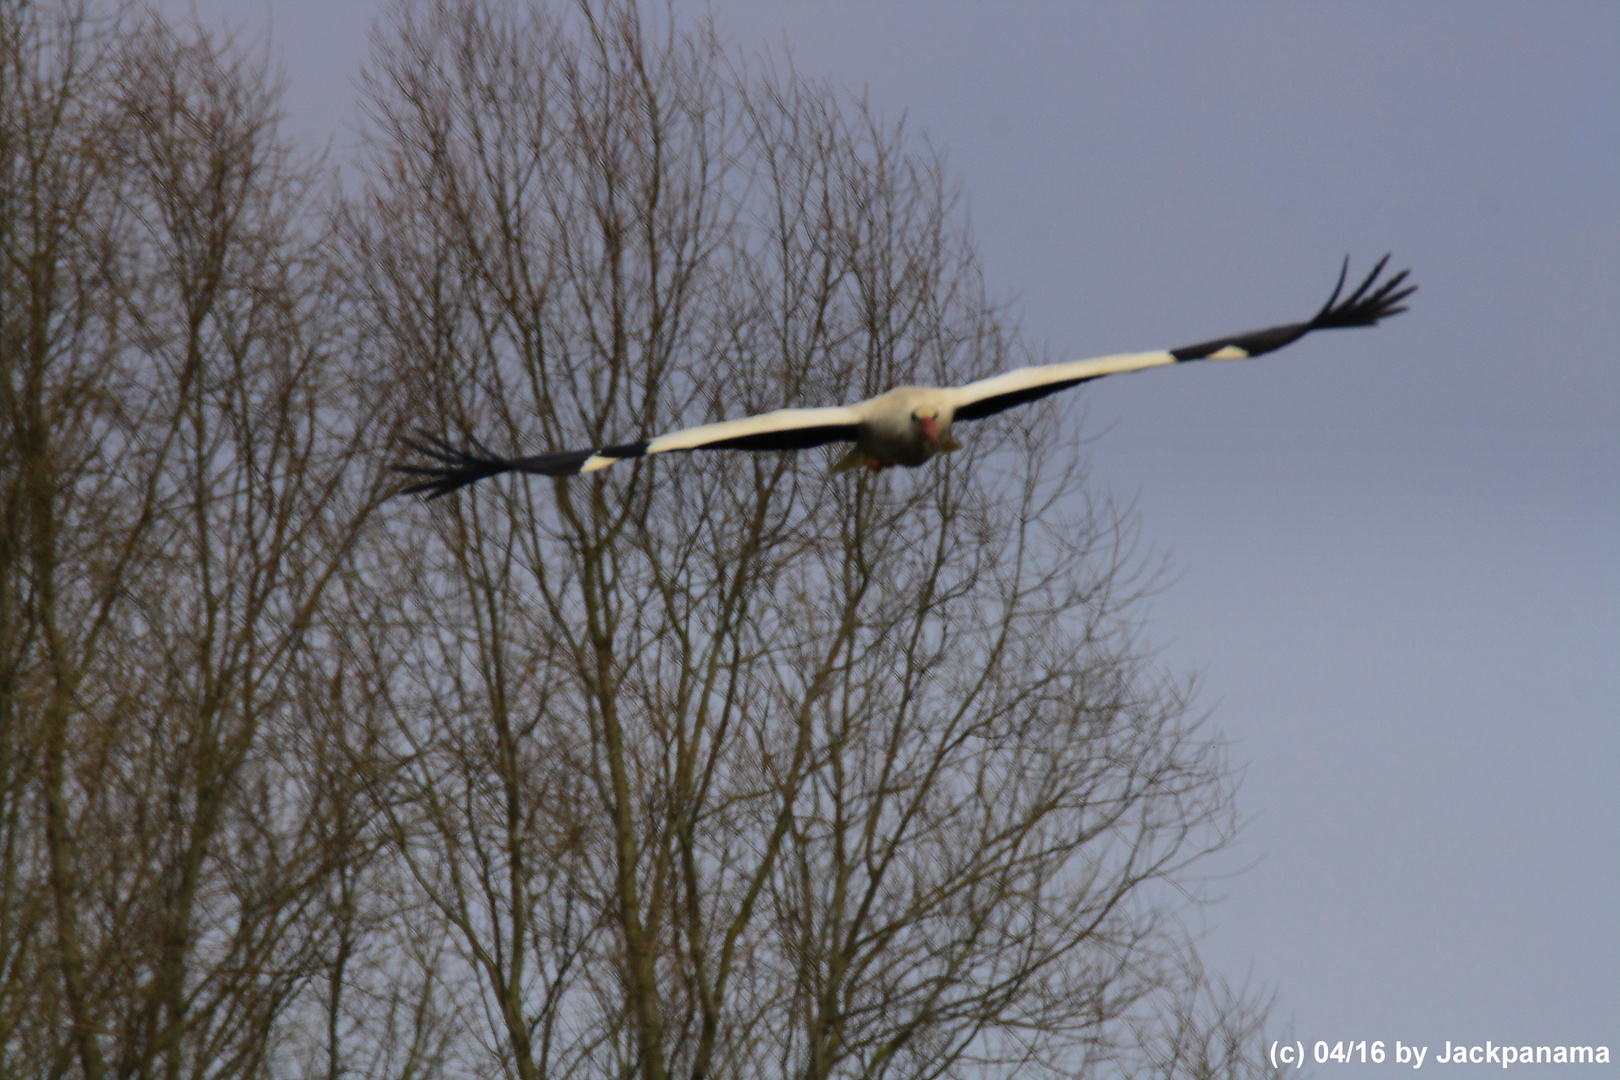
x=723 y=766
x=180 y=429
x=1199 y=1027
x=714 y=767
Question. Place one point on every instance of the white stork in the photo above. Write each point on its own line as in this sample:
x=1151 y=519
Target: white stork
x=909 y=424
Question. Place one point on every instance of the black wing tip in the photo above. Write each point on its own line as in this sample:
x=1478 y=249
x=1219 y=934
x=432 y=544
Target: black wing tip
x=456 y=468
x=1367 y=305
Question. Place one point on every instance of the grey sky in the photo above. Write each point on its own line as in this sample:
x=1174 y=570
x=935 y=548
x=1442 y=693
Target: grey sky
x=1397 y=551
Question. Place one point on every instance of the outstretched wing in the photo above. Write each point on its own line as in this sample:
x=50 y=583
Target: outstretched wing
x=784 y=429
x=1370 y=302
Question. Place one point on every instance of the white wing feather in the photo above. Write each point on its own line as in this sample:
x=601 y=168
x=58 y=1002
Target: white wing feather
x=781 y=420
x=1069 y=371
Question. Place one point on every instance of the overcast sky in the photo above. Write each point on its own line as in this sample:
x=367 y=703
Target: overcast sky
x=1396 y=551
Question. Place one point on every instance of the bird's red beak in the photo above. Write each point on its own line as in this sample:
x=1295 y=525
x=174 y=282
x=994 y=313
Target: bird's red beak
x=926 y=425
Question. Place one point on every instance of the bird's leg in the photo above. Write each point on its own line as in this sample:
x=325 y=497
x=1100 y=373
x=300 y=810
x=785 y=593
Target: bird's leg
x=878 y=466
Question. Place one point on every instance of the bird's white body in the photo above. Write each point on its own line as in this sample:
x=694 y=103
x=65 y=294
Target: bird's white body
x=889 y=431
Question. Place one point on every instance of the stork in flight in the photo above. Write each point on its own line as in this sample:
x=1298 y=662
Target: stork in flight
x=909 y=424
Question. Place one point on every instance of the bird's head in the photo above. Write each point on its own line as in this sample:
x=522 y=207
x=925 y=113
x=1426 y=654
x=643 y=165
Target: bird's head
x=926 y=424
